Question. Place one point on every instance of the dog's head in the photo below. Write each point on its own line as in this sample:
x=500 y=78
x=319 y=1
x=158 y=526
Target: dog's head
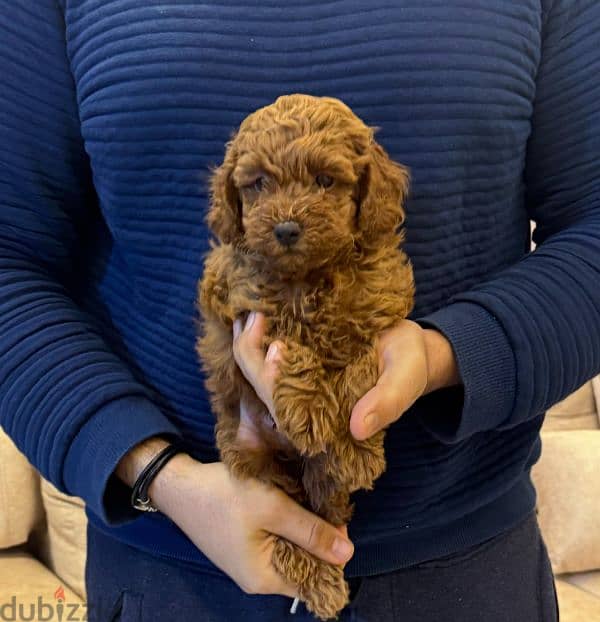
x=304 y=183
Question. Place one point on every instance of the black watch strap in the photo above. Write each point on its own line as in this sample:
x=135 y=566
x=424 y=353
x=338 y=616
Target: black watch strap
x=139 y=493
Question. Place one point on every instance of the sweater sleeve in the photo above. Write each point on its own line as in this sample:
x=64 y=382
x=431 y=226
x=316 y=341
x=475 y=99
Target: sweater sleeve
x=530 y=336
x=67 y=401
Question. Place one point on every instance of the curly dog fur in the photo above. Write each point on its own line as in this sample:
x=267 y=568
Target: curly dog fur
x=327 y=295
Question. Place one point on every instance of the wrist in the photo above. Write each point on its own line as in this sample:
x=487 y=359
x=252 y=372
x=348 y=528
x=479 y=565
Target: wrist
x=136 y=459
x=165 y=483
x=168 y=487
x=442 y=369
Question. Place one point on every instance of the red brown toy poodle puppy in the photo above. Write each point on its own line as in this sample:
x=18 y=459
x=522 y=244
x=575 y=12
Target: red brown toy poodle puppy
x=307 y=209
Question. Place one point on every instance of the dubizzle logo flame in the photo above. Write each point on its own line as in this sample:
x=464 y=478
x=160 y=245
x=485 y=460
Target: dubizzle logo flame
x=59 y=593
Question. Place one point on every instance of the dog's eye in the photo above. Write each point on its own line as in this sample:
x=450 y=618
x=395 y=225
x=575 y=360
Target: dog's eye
x=325 y=181
x=258 y=184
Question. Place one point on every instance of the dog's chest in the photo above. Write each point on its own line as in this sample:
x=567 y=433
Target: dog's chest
x=319 y=317
x=338 y=314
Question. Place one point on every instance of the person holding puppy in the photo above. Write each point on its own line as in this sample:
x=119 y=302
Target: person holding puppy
x=108 y=113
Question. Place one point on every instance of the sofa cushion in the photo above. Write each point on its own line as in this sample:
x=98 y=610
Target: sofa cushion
x=27 y=586
x=63 y=545
x=588 y=581
x=576 y=605
x=568 y=484
x=20 y=502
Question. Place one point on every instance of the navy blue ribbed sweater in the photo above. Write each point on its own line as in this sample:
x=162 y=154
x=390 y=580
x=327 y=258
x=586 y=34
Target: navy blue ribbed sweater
x=112 y=113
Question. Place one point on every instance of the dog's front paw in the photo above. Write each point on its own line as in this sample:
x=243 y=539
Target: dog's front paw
x=305 y=420
x=306 y=407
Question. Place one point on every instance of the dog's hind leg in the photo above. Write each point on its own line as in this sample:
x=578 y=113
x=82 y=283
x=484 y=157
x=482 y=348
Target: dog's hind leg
x=321 y=586
x=325 y=495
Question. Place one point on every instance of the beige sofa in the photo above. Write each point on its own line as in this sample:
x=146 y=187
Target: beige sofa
x=567 y=478
x=42 y=545
x=42 y=532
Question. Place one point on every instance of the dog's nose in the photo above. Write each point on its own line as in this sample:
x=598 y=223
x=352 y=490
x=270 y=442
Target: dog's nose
x=287 y=233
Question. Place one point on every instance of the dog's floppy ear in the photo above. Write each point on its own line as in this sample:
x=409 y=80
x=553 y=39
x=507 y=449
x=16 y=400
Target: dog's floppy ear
x=225 y=212
x=382 y=190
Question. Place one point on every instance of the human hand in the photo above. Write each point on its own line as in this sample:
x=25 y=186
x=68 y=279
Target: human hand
x=234 y=522
x=260 y=371
x=413 y=362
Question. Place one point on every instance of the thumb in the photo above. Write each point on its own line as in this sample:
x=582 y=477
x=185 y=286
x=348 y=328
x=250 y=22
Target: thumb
x=379 y=407
x=312 y=533
x=376 y=409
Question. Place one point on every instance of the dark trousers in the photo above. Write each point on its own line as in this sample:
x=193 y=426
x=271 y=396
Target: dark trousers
x=507 y=579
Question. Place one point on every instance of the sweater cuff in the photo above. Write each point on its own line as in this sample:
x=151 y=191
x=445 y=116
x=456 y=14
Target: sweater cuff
x=487 y=368
x=99 y=446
